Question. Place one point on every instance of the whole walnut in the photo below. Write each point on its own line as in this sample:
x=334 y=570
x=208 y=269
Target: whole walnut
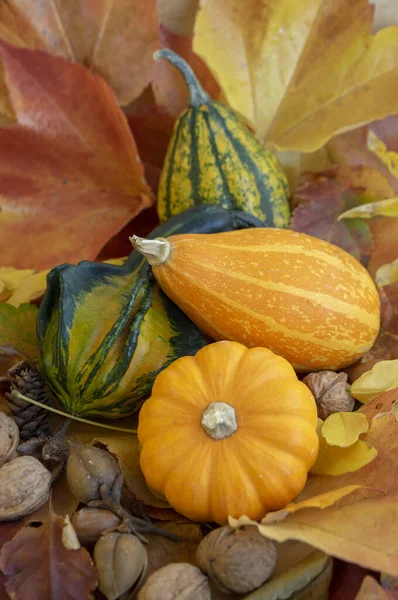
x=87 y=469
x=24 y=486
x=9 y=437
x=330 y=391
x=237 y=560
x=176 y=580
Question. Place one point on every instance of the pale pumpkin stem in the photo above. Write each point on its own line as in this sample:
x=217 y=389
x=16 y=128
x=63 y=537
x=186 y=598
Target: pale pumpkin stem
x=219 y=420
x=156 y=251
x=198 y=95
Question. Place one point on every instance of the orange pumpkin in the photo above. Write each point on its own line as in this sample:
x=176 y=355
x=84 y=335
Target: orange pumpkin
x=230 y=431
x=300 y=296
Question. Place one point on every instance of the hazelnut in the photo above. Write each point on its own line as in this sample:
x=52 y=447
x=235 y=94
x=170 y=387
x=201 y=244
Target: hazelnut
x=87 y=469
x=237 y=560
x=9 y=437
x=121 y=562
x=90 y=523
x=330 y=391
x=24 y=486
x=176 y=580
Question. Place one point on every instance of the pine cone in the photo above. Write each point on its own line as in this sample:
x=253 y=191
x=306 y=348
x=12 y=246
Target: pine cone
x=32 y=420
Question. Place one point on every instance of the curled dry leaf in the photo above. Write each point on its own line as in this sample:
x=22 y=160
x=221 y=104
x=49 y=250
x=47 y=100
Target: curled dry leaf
x=381 y=378
x=47 y=562
x=77 y=168
x=344 y=428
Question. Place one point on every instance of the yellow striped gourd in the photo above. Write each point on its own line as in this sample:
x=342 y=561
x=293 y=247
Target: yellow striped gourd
x=213 y=158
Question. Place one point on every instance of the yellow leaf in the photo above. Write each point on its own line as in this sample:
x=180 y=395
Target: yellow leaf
x=387 y=274
x=116 y=261
x=30 y=288
x=382 y=378
x=333 y=460
x=382 y=208
x=320 y=501
x=302 y=70
x=389 y=158
x=344 y=428
x=10 y=279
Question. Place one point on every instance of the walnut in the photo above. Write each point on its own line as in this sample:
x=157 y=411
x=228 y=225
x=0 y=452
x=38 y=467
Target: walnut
x=237 y=560
x=9 y=437
x=176 y=580
x=121 y=561
x=330 y=391
x=24 y=486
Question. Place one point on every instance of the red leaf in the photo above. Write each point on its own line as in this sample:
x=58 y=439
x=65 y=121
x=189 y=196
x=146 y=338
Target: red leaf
x=70 y=176
x=45 y=563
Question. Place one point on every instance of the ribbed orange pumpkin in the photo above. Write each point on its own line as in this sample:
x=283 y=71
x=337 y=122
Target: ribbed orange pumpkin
x=230 y=431
x=295 y=294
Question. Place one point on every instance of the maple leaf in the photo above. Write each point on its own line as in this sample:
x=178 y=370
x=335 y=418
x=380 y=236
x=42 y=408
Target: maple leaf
x=301 y=71
x=48 y=562
x=320 y=198
x=70 y=176
x=105 y=36
x=18 y=328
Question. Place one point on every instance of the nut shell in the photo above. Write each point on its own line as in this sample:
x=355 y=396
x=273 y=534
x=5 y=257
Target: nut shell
x=87 y=469
x=90 y=523
x=9 y=437
x=24 y=486
x=330 y=392
x=237 y=560
x=121 y=562
x=176 y=580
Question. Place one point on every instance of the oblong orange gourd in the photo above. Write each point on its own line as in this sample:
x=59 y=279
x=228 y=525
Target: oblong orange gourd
x=300 y=296
x=267 y=419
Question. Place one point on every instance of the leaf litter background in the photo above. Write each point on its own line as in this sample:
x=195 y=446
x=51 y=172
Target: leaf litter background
x=86 y=117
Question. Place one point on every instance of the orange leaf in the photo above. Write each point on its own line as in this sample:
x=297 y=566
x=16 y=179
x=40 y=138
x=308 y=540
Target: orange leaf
x=47 y=562
x=116 y=39
x=70 y=176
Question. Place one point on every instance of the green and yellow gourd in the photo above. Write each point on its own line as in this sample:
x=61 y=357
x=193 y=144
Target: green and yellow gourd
x=213 y=158
x=106 y=331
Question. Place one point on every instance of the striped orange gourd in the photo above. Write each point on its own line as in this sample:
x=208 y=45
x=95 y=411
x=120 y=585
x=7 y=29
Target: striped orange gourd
x=299 y=296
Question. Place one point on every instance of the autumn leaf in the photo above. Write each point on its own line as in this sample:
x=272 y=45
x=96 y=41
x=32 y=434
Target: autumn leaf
x=319 y=200
x=18 y=328
x=302 y=71
x=71 y=163
x=382 y=378
x=10 y=279
x=48 y=562
x=371 y=590
x=106 y=37
x=383 y=208
x=387 y=157
x=344 y=428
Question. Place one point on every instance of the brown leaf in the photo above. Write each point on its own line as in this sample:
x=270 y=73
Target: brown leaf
x=385 y=241
x=47 y=563
x=7 y=532
x=321 y=197
x=70 y=176
x=115 y=39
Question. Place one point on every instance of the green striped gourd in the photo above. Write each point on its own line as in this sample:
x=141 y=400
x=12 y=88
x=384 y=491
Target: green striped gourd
x=213 y=158
x=106 y=331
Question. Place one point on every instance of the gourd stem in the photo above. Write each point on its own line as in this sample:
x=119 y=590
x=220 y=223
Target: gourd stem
x=198 y=95
x=156 y=251
x=219 y=420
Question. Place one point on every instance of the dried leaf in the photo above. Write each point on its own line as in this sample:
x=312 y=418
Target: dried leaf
x=385 y=242
x=383 y=208
x=105 y=36
x=383 y=377
x=311 y=576
x=380 y=405
x=344 y=428
x=75 y=172
x=18 y=328
x=371 y=590
x=162 y=551
x=388 y=158
x=320 y=198
x=302 y=71
x=322 y=501
x=387 y=274
x=10 y=280
x=333 y=460
x=46 y=562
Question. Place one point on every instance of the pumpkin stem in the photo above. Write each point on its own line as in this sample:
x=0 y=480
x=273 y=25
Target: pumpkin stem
x=219 y=420
x=198 y=95
x=156 y=251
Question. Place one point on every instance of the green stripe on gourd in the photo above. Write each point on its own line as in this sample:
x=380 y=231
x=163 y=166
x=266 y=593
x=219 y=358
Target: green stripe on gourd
x=213 y=158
